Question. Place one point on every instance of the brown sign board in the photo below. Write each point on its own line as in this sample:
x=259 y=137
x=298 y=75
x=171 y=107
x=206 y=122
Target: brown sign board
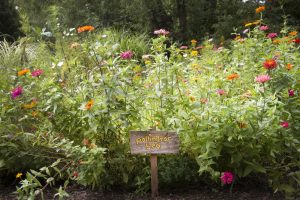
x=154 y=142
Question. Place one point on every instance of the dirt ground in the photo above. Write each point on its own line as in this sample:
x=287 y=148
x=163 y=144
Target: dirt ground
x=201 y=193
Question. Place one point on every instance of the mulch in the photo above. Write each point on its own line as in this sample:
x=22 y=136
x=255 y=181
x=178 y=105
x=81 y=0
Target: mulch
x=186 y=193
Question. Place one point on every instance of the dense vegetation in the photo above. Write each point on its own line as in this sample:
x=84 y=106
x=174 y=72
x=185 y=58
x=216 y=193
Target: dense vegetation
x=69 y=98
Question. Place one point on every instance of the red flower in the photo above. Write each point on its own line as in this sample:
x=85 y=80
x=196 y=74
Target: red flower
x=270 y=64
x=297 y=40
x=75 y=174
x=291 y=92
x=284 y=124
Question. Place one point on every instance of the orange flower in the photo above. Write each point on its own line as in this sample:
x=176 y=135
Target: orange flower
x=276 y=41
x=85 y=142
x=34 y=113
x=194 y=42
x=293 y=33
x=23 y=72
x=85 y=28
x=204 y=100
x=260 y=9
x=289 y=66
x=247 y=94
x=232 y=76
x=89 y=104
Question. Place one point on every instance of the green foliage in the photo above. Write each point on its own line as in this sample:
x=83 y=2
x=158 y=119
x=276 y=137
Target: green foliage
x=72 y=122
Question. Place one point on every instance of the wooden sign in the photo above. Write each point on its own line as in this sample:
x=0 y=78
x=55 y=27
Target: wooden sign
x=154 y=142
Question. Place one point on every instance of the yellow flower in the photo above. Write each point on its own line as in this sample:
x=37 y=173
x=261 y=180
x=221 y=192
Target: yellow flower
x=18 y=175
x=260 y=9
x=256 y=22
x=137 y=68
x=30 y=105
x=89 y=104
x=192 y=98
x=293 y=33
x=194 y=53
x=23 y=72
x=147 y=62
x=248 y=24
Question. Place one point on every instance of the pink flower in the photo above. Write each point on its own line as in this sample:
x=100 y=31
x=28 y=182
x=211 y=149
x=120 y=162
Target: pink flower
x=37 y=72
x=183 y=47
x=284 y=124
x=272 y=35
x=126 y=55
x=227 y=178
x=263 y=28
x=161 y=32
x=291 y=92
x=220 y=92
x=262 y=78
x=16 y=92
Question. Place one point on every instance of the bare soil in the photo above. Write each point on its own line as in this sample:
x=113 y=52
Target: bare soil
x=186 y=193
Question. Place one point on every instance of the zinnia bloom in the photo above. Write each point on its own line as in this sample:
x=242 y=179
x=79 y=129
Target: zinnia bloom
x=264 y=28
x=37 y=72
x=289 y=66
x=293 y=33
x=291 y=92
x=23 y=72
x=16 y=92
x=19 y=175
x=161 y=32
x=220 y=92
x=272 y=35
x=297 y=40
x=89 y=104
x=227 y=178
x=194 y=42
x=284 y=124
x=126 y=55
x=260 y=9
x=270 y=64
x=194 y=53
x=232 y=76
x=31 y=104
x=85 y=28
x=262 y=78
x=183 y=47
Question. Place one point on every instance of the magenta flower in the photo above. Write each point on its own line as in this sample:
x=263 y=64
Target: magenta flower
x=272 y=35
x=227 y=178
x=284 y=124
x=126 y=55
x=262 y=78
x=161 y=32
x=291 y=92
x=263 y=28
x=37 y=72
x=16 y=92
x=220 y=92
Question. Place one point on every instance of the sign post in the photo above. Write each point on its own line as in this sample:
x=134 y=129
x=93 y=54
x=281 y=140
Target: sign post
x=154 y=142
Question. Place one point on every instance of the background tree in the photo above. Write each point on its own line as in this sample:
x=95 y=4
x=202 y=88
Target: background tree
x=9 y=21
